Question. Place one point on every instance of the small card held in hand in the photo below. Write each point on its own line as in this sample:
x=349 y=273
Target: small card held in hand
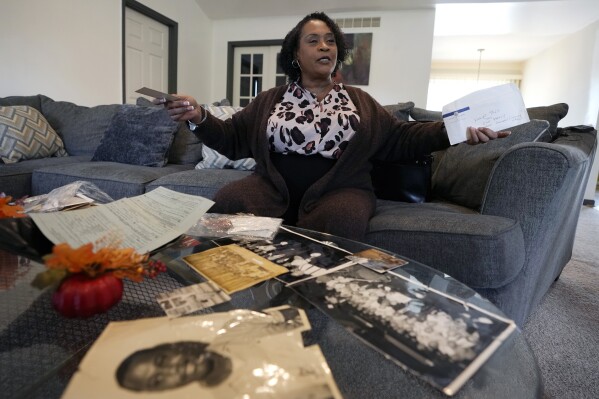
x=156 y=94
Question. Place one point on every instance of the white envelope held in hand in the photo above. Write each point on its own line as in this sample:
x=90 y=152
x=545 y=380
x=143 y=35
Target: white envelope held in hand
x=499 y=107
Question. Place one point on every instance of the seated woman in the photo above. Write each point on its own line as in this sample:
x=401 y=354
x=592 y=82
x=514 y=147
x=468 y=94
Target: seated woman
x=313 y=139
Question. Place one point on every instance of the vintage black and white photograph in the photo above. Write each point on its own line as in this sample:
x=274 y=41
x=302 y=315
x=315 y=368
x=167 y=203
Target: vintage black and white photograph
x=235 y=354
x=303 y=256
x=437 y=337
x=191 y=298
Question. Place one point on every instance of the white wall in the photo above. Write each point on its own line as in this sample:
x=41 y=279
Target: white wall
x=71 y=50
x=401 y=51
x=195 y=37
x=568 y=72
x=50 y=47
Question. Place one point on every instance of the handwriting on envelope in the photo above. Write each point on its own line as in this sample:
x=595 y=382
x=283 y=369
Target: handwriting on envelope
x=498 y=107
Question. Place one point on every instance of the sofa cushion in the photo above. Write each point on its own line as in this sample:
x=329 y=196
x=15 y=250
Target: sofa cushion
x=15 y=178
x=137 y=136
x=70 y=120
x=400 y=110
x=32 y=101
x=462 y=173
x=204 y=183
x=186 y=148
x=425 y=115
x=118 y=180
x=447 y=237
x=25 y=134
x=552 y=114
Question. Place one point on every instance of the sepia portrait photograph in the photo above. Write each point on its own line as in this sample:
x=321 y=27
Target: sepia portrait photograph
x=218 y=355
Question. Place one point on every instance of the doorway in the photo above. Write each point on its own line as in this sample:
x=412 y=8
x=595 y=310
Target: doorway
x=149 y=51
x=252 y=68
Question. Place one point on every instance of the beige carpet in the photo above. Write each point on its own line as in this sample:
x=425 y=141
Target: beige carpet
x=564 y=330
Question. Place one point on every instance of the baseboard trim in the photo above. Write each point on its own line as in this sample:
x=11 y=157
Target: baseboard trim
x=588 y=202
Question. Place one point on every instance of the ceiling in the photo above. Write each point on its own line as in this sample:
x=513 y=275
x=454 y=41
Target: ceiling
x=507 y=31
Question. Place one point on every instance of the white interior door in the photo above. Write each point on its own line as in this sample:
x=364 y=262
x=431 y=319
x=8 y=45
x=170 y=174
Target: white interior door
x=255 y=70
x=146 y=54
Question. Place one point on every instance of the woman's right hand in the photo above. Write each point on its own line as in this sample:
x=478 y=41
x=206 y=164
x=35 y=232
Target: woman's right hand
x=184 y=108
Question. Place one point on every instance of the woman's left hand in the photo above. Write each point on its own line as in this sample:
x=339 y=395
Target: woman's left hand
x=184 y=108
x=477 y=135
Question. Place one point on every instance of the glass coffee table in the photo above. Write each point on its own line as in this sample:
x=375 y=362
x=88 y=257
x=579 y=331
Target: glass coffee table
x=40 y=350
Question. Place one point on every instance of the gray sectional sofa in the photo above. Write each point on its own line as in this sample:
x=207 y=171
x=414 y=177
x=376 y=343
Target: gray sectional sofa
x=501 y=219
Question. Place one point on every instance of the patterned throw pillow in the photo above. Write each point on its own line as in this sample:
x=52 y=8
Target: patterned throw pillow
x=212 y=159
x=26 y=134
x=222 y=112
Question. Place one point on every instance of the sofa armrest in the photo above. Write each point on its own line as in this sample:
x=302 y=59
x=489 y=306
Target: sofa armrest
x=541 y=185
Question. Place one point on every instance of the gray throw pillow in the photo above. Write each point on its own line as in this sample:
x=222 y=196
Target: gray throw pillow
x=32 y=101
x=186 y=148
x=81 y=128
x=400 y=110
x=425 y=115
x=552 y=114
x=462 y=173
x=138 y=136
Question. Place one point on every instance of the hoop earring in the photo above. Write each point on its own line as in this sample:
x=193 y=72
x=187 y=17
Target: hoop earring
x=295 y=64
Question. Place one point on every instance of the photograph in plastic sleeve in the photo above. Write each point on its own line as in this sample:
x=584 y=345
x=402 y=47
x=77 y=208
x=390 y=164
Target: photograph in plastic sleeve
x=191 y=298
x=437 y=337
x=233 y=268
x=184 y=358
x=377 y=260
x=286 y=320
x=303 y=256
x=248 y=226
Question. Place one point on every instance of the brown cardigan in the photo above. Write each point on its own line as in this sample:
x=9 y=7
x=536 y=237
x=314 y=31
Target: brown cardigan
x=379 y=136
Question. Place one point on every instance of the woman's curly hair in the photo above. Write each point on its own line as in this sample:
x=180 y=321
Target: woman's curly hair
x=291 y=44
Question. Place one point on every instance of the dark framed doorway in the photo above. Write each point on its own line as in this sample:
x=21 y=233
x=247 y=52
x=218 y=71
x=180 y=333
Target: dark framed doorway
x=231 y=47
x=173 y=29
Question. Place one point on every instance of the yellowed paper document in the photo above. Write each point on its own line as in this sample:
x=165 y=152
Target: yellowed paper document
x=233 y=268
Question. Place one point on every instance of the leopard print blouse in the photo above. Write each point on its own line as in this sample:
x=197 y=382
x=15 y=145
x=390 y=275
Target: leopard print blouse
x=300 y=124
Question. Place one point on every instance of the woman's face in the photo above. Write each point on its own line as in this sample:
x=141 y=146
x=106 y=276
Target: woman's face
x=166 y=368
x=317 y=51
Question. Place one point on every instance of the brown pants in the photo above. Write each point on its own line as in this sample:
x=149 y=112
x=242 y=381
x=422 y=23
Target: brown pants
x=343 y=212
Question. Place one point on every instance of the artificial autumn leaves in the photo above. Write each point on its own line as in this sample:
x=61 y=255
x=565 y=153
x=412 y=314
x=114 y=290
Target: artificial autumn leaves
x=91 y=280
x=9 y=209
x=120 y=262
